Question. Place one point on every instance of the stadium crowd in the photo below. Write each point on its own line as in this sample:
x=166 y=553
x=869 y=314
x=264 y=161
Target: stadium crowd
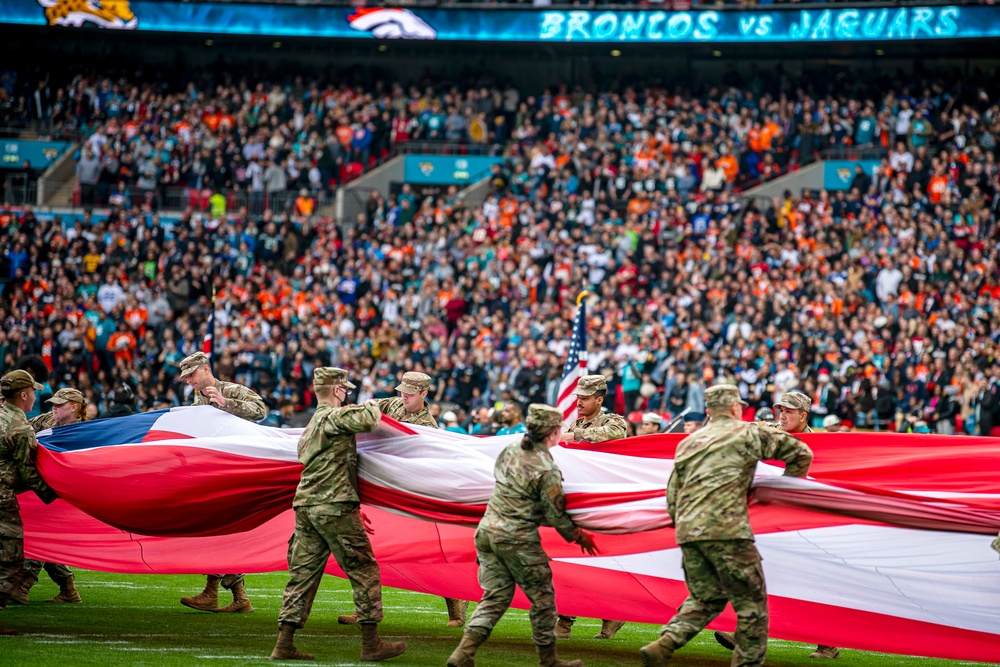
x=880 y=302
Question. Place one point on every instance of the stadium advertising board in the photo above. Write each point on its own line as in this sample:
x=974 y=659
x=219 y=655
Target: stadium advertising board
x=837 y=24
x=447 y=169
x=39 y=154
x=838 y=174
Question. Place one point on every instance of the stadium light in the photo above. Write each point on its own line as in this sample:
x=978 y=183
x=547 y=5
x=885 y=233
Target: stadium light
x=615 y=53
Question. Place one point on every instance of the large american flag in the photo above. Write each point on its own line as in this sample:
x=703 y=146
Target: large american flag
x=576 y=364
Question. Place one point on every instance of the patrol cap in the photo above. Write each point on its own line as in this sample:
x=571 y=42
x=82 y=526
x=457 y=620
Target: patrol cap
x=723 y=394
x=652 y=418
x=192 y=363
x=332 y=377
x=589 y=385
x=18 y=380
x=543 y=418
x=794 y=400
x=67 y=395
x=414 y=383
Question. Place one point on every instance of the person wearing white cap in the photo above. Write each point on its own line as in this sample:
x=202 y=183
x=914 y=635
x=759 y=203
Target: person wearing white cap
x=832 y=424
x=450 y=420
x=651 y=423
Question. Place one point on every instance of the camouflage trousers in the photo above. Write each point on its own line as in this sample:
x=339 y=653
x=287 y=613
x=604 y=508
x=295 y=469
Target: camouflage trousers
x=504 y=565
x=717 y=571
x=321 y=530
x=11 y=553
x=228 y=580
x=58 y=573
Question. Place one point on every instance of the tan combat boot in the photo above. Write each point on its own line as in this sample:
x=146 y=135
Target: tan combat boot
x=609 y=629
x=67 y=592
x=20 y=594
x=547 y=658
x=285 y=648
x=208 y=599
x=240 y=603
x=827 y=652
x=564 y=627
x=466 y=651
x=726 y=639
x=373 y=649
x=456 y=612
x=348 y=619
x=657 y=654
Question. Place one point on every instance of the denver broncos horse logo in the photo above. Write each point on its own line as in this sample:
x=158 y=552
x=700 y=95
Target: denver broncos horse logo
x=387 y=23
x=112 y=14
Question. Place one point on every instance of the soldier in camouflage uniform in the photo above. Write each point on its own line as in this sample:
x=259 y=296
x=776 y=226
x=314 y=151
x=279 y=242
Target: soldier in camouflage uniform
x=793 y=412
x=246 y=404
x=793 y=417
x=528 y=493
x=328 y=520
x=411 y=407
x=592 y=426
x=68 y=407
x=18 y=452
x=707 y=500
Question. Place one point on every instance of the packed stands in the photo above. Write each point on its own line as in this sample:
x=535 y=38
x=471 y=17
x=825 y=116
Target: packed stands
x=879 y=301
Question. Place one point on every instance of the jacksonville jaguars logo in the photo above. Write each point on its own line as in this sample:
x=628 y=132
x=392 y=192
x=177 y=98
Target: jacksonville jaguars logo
x=110 y=14
x=388 y=23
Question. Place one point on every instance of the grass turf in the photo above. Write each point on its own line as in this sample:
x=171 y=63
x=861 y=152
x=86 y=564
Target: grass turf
x=137 y=620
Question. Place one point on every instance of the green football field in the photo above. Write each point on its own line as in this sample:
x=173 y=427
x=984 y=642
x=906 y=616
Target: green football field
x=137 y=620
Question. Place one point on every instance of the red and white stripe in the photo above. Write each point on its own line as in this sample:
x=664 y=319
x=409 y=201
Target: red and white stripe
x=885 y=547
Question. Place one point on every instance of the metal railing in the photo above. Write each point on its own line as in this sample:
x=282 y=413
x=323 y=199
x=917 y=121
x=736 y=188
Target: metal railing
x=853 y=153
x=31 y=130
x=443 y=148
x=20 y=190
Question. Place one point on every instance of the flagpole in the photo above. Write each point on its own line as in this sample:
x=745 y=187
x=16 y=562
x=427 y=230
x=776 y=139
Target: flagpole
x=582 y=308
x=211 y=333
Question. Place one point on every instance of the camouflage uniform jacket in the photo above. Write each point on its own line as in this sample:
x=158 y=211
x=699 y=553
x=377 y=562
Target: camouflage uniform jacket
x=328 y=450
x=528 y=494
x=240 y=401
x=713 y=469
x=393 y=407
x=18 y=451
x=605 y=426
x=42 y=422
x=777 y=426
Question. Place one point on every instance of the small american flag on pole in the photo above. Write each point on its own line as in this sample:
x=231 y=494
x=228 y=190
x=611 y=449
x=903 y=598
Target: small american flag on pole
x=208 y=342
x=576 y=362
